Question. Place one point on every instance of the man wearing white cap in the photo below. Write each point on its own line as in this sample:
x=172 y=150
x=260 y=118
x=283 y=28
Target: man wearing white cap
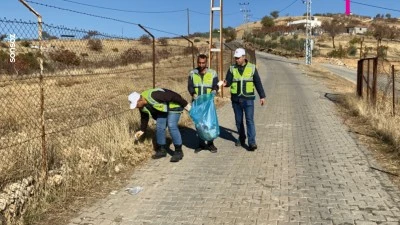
x=243 y=79
x=166 y=107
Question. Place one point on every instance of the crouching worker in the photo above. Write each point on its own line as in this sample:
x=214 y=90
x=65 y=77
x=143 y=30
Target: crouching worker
x=165 y=106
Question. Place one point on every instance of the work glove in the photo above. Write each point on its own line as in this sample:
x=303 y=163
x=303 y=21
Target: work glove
x=220 y=83
x=138 y=134
x=188 y=107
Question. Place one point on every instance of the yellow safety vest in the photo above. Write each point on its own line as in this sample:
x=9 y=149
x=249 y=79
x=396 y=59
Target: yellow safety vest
x=162 y=107
x=203 y=85
x=245 y=80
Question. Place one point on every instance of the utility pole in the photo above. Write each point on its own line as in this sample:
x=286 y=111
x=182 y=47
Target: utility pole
x=218 y=47
x=187 y=10
x=246 y=15
x=309 y=41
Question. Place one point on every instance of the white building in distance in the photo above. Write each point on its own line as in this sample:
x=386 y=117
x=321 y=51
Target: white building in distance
x=314 y=22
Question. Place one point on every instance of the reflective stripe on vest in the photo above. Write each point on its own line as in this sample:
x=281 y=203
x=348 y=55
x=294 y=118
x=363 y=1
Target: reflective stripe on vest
x=162 y=107
x=245 y=80
x=202 y=85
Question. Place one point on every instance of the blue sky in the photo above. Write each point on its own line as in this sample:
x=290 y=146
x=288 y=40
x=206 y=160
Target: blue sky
x=167 y=18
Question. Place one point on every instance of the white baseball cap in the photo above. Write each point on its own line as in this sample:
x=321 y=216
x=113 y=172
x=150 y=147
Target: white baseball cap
x=133 y=98
x=239 y=52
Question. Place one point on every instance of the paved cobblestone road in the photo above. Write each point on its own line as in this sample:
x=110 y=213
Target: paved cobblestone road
x=307 y=170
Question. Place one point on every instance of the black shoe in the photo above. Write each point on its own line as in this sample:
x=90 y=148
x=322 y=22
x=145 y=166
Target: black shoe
x=212 y=148
x=178 y=155
x=239 y=143
x=252 y=147
x=202 y=146
x=160 y=153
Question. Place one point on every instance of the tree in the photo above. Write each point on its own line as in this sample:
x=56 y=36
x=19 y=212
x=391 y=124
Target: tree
x=145 y=39
x=229 y=34
x=380 y=32
x=47 y=36
x=90 y=34
x=388 y=15
x=267 y=22
x=3 y=36
x=274 y=14
x=333 y=28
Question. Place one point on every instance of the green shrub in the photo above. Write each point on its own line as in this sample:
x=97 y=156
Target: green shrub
x=131 y=55
x=352 y=50
x=338 y=53
x=5 y=64
x=65 y=57
x=196 y=40
x=26 y=63
x=95 y=45
x=382 y=51
x=355 y=40
x=274 y=36
x=115 y=49
x=25 y=43
x=145 y=39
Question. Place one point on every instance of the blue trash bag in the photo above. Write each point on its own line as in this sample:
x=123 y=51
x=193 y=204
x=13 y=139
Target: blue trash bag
x=204 y=116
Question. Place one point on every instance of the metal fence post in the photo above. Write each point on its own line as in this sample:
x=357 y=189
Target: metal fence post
x=154 y=54
x=360 y=70
x=374 y=80
x=41 y=84
x=394 y=92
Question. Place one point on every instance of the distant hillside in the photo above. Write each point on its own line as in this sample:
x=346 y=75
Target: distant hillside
x=348 y=21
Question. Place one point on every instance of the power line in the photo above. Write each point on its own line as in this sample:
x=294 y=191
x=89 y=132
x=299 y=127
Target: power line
x=208 y=14
x=287 y=6
x=144 y=12
x=374 y=6
x=123 y=10
x=102 y=17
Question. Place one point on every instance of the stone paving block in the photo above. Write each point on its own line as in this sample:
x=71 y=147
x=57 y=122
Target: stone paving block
x=308 y=169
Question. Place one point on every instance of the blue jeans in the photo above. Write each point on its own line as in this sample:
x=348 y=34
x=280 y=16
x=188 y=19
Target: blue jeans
x=172 y=121
x=246 y=107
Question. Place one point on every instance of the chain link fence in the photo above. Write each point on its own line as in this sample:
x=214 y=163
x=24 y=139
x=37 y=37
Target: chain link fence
x=65 y=114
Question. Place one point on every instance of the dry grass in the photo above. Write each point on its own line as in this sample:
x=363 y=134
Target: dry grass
x=375 y=128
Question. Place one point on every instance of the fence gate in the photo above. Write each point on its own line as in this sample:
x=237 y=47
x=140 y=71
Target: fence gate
x=367 y=78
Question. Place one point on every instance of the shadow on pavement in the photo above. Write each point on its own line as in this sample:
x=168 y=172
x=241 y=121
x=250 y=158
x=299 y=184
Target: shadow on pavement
x=189 y=137
x=226 y=133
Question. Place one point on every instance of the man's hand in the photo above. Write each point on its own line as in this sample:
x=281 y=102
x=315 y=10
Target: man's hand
x=221 y=83
x=194 y=96
x=188 y=107
x=214 y=92
x=138 y=134
x=262 y=101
